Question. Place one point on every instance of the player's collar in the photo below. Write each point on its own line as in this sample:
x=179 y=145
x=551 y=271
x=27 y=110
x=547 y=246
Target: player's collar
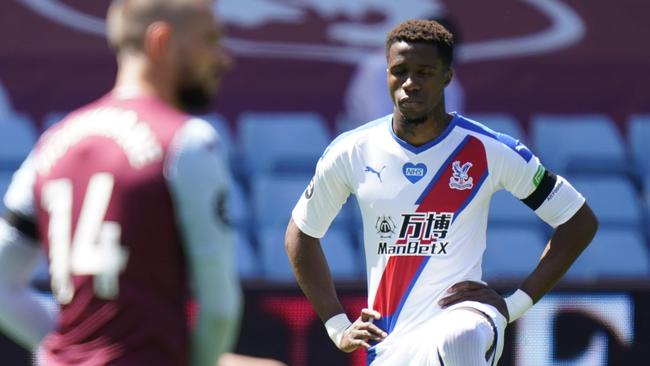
x=428 y=145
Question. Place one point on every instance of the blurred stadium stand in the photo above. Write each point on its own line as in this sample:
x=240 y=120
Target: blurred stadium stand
x=344 y=261
x=507 y=210
x=275 y=265
x=5 y=102
x=225 y=133
x=503 y=123
x=273 y=197
x=238 y=206
x=615 y=253
x=17 y=136
x=613 y=199
x=576 y=144
x=273 y=156
x=52 y=118
x=247 y=258
x=646 y=191
x=349 y=218
x=282 y=142
x=5 y=179
x=638 y=135
x=512 y=252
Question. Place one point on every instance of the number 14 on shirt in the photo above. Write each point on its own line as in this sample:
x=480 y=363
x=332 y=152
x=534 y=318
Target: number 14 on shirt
x=95 y=248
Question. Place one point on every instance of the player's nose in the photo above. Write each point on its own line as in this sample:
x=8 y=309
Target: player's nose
x=410 y=84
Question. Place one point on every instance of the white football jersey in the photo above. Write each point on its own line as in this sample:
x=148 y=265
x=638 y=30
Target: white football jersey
x=424 y=208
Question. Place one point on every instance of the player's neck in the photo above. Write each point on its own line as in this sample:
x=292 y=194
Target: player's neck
x=422 y=133
x=135 y=78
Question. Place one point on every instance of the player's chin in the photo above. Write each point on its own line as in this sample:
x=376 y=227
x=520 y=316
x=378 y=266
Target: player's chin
x=195 y=99
x=413 y=111
x=412 y=118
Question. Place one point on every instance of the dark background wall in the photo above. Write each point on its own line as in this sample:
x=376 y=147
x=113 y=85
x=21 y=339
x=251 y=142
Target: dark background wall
x=597 y=60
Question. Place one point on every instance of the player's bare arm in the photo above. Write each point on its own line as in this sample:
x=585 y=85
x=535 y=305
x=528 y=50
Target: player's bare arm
x=312 y=272
x=564 y=247
x=566 y=244
x=314 y=278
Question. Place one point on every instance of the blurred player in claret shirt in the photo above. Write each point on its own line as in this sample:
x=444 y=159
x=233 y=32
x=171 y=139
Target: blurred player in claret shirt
x=127 y=196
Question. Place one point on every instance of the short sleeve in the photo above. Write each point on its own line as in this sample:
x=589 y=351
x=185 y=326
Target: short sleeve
x=521 y=173
x=199 y=180
x=20 y=193
x=518 y=168
x=325 y=194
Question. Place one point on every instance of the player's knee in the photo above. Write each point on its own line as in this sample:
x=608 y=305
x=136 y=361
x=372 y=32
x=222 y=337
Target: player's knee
x=465 y=336
x=459 y=337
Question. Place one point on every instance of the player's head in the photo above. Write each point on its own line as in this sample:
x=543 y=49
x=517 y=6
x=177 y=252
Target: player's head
x=419 y=54
x=179 y=42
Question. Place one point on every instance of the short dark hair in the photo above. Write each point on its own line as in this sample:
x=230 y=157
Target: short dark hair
x=424 y=31
x=127 y=20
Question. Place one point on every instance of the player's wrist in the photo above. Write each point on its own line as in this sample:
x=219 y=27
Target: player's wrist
x=518 y=303
x=336 y=326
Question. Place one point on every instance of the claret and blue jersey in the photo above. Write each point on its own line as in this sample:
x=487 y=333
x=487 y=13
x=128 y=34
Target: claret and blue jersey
x=424 y=208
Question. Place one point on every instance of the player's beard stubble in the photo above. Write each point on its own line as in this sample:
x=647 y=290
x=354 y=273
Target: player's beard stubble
x=436 y=113
x=192 y=95
x=413 y=121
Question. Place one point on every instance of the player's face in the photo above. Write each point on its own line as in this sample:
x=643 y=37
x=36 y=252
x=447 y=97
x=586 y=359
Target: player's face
x=417 y=77
x=201 y=62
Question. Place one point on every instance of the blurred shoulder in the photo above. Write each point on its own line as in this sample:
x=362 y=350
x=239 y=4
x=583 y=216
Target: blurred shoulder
x=494 y=141
x=196 y=133
x=346 y=141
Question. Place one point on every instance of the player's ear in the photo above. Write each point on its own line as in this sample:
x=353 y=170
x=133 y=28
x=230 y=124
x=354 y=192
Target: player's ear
x=157 y=39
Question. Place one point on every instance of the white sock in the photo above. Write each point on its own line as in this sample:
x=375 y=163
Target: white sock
x=464 y=339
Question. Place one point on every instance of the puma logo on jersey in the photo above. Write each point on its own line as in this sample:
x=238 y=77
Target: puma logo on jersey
x=460 y=179
x=373 y=171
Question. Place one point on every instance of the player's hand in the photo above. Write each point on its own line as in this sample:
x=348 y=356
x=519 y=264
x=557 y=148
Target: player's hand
x=475 y=291
x=361 y=332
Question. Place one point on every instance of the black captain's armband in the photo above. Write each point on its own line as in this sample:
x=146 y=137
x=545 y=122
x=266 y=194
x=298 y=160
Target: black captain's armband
x=543 y=190
x=22 y=223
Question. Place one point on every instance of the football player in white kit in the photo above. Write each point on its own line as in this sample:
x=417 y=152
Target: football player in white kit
x=423 y=179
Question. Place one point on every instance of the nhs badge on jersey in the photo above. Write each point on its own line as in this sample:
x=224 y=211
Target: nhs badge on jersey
x=414 y=172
